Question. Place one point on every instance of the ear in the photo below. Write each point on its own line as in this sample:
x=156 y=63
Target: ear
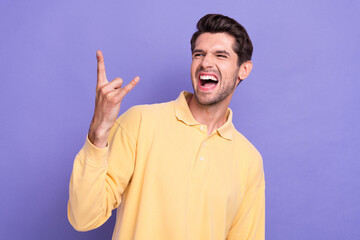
x=244 y=70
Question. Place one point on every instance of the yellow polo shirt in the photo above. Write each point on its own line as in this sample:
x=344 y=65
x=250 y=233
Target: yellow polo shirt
x=169 y=179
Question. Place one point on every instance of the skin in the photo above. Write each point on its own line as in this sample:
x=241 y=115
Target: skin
x=107 y=103
x=213 y=54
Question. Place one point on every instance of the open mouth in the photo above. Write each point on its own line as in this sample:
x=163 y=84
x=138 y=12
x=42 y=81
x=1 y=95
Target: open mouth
x=208 y=81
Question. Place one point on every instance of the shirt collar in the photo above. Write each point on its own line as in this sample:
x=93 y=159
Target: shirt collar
x=183 y=113
x=182 y=110
x=227 y=130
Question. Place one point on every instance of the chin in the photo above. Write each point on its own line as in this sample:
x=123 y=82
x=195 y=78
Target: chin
x=206 y=101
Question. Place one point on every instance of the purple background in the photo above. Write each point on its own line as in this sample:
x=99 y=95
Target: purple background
x=299 y=107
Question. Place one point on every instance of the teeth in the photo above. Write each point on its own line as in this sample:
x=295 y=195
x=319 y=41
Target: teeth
x=208 y=77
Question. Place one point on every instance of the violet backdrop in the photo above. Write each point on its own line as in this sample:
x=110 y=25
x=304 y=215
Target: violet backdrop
x=299 y=107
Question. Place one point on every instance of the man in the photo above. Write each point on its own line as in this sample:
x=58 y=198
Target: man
x=176 y=170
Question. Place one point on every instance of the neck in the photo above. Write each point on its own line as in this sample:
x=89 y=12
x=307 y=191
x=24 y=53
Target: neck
x=213 y=116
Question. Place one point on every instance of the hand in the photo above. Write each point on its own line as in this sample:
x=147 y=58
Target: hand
x=107 y=104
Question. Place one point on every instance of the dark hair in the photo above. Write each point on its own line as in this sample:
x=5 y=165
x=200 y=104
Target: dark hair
x=217 y=23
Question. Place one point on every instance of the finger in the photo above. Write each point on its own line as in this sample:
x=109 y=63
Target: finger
x=114 y=84
x=101 y=75
x=131 y=84
x=127 y=88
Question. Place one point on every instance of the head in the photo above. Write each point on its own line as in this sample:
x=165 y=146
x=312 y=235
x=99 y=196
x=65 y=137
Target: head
x=217 y=23
x=221 y=51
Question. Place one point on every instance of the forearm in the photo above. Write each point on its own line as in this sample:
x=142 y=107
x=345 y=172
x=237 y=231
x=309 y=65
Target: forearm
x=89 y=204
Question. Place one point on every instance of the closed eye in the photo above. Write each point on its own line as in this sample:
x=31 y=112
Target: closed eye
x=222 y=54
x=196 y=55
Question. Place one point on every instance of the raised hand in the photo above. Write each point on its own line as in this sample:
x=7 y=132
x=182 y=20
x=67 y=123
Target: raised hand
x=107 y=104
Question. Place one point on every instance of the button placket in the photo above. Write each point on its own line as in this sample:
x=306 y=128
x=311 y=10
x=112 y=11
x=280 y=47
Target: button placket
x=201 y=159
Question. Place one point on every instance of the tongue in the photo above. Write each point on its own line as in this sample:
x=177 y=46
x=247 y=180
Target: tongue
x=209 y=84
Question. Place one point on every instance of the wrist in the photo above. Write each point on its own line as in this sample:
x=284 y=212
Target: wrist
x=98 y=137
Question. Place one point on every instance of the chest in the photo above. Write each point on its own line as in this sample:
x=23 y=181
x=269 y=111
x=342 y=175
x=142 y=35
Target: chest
x=186 y=163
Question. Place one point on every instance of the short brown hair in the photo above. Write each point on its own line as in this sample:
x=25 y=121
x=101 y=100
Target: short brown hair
x=217 y=23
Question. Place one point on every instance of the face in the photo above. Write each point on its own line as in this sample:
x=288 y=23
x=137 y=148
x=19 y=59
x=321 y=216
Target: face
x=214 y=68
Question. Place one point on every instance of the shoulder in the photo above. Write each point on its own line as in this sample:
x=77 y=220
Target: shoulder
x=251 y=157
x=138 y=113
x=150 y=108
x=241 y=141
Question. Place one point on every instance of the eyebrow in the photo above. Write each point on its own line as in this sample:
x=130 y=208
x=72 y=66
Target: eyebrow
x=198 y=51
x=216 y=52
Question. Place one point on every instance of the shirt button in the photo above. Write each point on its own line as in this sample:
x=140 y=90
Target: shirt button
x=201 y=128
x=204 y=144
x=201 y=158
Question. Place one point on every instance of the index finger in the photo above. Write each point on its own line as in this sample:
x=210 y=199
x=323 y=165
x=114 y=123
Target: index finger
x=101 y=75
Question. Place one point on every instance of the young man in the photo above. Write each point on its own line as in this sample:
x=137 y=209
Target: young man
x=176 y=170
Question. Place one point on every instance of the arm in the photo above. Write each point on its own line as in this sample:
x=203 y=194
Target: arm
x=100 y=173
x=100 y=176
x=249 y=222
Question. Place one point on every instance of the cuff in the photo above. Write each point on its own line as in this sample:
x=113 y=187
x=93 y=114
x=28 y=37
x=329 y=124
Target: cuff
x=93 y=155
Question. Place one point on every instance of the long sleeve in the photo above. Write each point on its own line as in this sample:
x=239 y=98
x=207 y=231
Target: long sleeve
x=101 y=175
x=249 y=222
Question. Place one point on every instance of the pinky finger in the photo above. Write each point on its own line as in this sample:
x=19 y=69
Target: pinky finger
x=131 y=85
x=124 y=90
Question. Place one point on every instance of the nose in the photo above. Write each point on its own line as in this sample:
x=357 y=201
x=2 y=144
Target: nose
x=207 y=61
